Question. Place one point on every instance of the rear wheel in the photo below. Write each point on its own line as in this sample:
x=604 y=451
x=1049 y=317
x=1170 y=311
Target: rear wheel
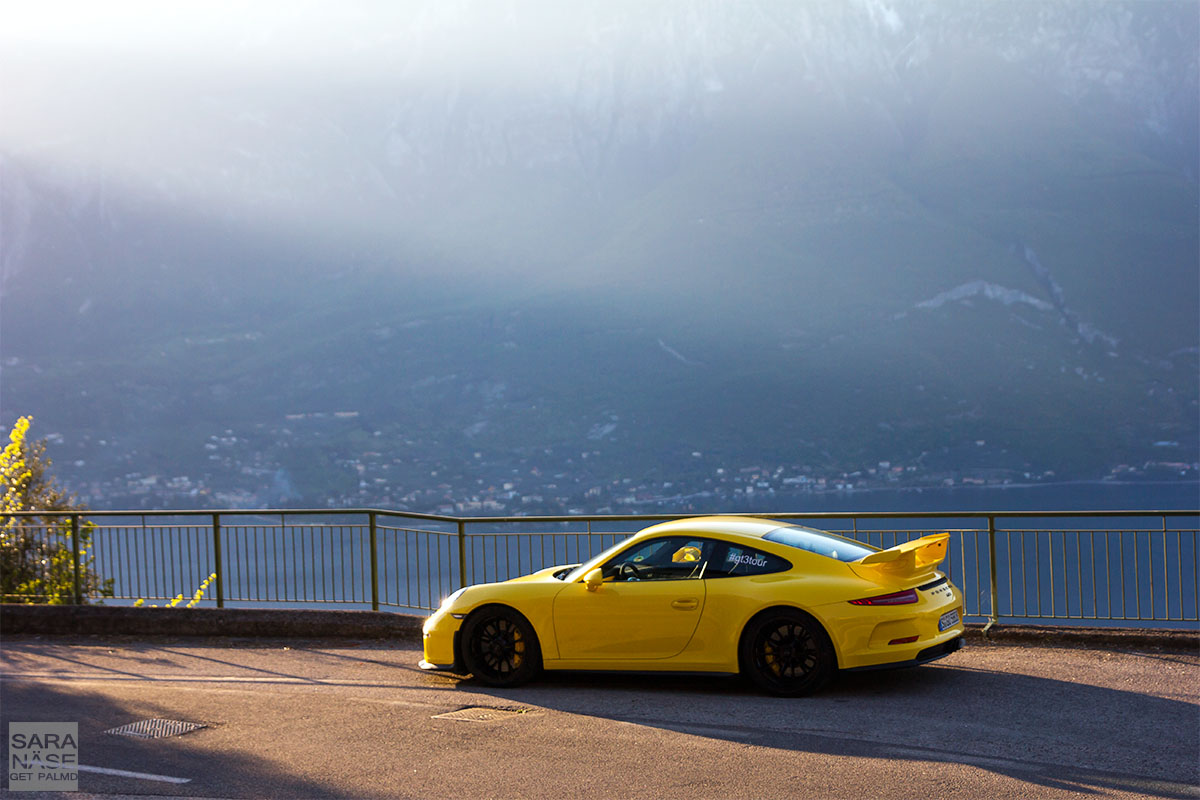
x=787 y=652
x=500 y=648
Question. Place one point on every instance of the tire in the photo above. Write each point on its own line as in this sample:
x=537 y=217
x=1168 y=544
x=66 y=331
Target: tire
x=500 y=648
x=787 y=652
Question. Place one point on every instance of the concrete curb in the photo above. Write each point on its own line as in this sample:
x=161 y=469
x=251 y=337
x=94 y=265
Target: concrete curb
x=255 y=622
x=310 y=624
x=1174 y=639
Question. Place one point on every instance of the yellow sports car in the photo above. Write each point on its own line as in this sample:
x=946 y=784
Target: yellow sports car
x=783 y=604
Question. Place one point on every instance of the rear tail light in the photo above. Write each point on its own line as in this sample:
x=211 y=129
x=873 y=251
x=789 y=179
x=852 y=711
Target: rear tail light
x=894 y=599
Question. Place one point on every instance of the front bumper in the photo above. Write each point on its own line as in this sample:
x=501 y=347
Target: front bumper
x=439 y=638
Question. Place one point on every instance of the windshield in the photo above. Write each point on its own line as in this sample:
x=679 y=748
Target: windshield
x=579 y=571
x=819 y=542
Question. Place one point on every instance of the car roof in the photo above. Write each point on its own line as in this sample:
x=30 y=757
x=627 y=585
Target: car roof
x=756 y=527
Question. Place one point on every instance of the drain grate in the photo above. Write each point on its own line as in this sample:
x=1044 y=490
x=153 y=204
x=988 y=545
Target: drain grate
x=156 y=728
x=483 y=714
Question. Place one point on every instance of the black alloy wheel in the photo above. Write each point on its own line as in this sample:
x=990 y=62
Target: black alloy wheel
x=500 y=647
x=787 y=652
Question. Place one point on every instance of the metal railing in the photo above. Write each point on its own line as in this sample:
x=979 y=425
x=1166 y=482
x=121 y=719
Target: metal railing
x=1135 y=566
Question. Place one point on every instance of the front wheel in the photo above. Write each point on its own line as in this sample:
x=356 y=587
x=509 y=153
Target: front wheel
x=787 y=652
x=500 y=647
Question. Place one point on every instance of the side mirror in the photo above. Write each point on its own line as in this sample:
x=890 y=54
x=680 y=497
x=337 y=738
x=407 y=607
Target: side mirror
x=593 y=579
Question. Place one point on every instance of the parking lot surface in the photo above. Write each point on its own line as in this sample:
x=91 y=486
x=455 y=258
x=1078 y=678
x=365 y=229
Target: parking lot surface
x=292 y=719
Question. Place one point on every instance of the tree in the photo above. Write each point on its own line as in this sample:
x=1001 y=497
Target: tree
x=37 y=554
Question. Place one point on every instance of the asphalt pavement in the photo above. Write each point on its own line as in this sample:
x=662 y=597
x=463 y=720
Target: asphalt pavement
x=293 y=719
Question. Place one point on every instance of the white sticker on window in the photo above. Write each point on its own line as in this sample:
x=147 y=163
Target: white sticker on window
x=747 y=559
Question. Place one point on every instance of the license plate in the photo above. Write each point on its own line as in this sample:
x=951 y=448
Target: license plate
x=948 y=620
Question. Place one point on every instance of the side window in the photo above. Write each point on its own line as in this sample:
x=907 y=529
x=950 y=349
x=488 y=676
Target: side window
x=672 y=558
x=736 y=561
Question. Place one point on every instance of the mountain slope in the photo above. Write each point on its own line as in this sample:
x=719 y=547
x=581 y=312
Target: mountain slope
x=831 y=235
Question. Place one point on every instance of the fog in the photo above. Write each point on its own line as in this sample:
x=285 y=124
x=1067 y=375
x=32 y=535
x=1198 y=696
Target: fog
x=468 y=129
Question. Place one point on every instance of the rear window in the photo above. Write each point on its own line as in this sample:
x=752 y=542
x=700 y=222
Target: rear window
x=819 y=542
x=739 y=561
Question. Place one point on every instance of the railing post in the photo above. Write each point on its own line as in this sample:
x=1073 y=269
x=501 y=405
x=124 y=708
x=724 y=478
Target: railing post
x=462 y=554
x=77 y=578
x=994 y=615
x=374 y=564
x=1167 y=577
x=216 y=526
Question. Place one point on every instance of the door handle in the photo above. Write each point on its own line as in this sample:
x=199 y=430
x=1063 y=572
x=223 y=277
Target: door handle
x=686 y=604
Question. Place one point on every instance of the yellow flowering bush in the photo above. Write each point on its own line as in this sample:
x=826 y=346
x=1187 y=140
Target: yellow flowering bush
x=36 y=553
x=197 y=595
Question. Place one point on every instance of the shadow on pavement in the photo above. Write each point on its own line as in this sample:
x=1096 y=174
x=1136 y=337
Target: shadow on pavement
x=187 y=756
x=1054 y=734
x=154 y=661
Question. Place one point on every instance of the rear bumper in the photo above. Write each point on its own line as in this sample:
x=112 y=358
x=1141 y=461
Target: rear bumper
x=923 y=657
x=884 y=636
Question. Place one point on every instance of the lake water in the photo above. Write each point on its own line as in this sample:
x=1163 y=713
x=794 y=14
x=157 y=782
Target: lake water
x=1045 y=569
x=1089 y=496
x=1048 y=569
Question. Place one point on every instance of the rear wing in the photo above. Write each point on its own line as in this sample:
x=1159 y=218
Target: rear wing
x=904 y=562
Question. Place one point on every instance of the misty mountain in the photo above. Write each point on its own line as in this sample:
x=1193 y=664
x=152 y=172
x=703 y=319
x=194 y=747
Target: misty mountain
x=832 y=233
